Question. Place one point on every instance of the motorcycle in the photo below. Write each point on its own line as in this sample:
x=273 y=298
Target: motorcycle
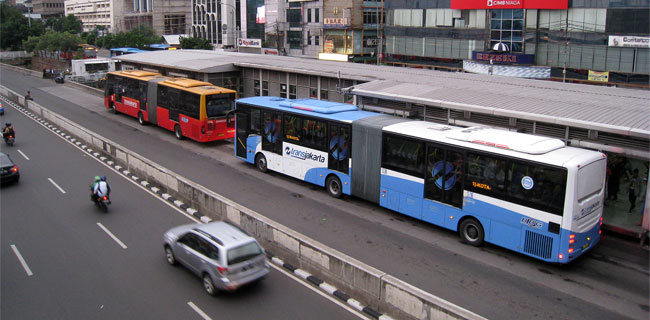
x=102 y=203
x=9 y=139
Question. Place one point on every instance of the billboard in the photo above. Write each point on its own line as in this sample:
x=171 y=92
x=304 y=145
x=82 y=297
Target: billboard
x=629 y=41
x=510 y=4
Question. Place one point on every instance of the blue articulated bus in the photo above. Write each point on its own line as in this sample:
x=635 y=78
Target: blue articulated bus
x=527 y=193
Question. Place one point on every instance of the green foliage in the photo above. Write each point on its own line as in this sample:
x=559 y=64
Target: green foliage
x=70 y=23
x=195 y=43
x=14 y=27
x=53 y=41
x=140 y=38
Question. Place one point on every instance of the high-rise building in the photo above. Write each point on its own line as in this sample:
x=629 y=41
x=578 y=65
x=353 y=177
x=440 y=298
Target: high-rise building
x=48 y=8
x=91 y=13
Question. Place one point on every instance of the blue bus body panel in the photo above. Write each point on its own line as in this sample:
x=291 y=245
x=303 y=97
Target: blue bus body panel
x=251 y=145
x=511 y=230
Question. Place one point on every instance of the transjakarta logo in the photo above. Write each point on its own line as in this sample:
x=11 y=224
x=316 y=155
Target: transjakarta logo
x=303 y=155
x=503 y=3
x=131 y=103
x=531 y=223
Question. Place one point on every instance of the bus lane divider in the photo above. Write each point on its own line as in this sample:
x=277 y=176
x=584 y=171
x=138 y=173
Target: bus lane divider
x=394 y=296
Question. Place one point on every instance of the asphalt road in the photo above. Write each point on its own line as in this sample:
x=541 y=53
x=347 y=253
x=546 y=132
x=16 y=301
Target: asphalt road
x=62 y=258
x=611 y=282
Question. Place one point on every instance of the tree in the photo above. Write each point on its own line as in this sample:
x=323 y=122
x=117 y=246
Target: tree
x=195 y=43
x=14 y=27
x=69 y=23
x=140 y=37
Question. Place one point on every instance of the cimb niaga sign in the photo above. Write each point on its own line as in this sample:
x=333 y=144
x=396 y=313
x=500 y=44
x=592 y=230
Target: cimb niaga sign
x=510 y=4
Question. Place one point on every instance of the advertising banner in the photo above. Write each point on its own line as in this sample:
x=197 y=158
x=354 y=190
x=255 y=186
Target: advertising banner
x=629 y=41
x=598 y=76
x=503 y=58
x=335 y=23
x=249 y=43
x=510 y=4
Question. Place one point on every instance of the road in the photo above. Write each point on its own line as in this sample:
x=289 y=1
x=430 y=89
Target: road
x=609 y=283
x=61 y=258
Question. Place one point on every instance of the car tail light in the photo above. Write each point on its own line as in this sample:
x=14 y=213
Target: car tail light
x=105 y=198
x=14 y=169
x=222 y=270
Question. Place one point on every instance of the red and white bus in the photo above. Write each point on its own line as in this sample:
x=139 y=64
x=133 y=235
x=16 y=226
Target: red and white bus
x=194 y=109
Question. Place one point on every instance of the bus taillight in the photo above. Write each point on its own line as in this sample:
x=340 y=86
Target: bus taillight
x=560 y=256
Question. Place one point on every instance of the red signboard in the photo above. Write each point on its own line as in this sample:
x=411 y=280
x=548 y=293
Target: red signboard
x=510 y=4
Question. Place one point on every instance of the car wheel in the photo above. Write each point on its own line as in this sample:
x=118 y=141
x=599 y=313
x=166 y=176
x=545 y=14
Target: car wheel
x=208 y=285
x=260 y=162
x=333 y=186
x=471 y=232
x=141 y=119
x=178 y=133
x=169 y=254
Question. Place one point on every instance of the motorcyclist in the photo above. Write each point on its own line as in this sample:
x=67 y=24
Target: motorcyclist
x=8 y=131
x=102 y=188
x=28 y=96
x=93 y=196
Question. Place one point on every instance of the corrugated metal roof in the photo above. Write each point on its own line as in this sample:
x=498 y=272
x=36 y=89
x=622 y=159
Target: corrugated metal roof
x=609 y=109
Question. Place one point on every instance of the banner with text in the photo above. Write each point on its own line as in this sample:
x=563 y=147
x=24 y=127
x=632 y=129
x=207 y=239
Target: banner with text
x=510 y=4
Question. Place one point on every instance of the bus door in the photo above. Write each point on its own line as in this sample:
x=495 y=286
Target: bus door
x=443 y=182
x=247 y=123
x=339 y=148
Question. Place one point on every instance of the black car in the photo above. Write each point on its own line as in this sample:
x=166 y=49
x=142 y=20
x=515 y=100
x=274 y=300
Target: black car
x=8 y=169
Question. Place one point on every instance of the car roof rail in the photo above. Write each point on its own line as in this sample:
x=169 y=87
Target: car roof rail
x=209 y=236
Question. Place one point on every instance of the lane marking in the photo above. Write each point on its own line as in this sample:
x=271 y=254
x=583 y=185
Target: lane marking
x=56 y=185
x=320 y=292
x=198 y=310
x=22 y=261
x=22 y=154
x=112 y=235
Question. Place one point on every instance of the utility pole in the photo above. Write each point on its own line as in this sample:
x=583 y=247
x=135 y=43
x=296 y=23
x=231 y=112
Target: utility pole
x=566 y=45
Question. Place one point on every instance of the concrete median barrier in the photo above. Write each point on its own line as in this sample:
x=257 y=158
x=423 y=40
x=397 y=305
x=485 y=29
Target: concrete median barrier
x=378 y=289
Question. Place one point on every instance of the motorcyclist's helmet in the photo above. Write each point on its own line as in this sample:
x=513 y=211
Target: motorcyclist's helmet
x=103 y=178
x=97 y=178
x=8 y=124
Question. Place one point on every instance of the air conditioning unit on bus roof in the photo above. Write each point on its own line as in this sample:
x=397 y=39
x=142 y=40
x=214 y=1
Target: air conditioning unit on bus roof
x=508 y=140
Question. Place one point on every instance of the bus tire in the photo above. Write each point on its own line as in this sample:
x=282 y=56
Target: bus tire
x=260 y=163
x=333 y=186
x=178 y=133
x=141 y=119
x=471 y=232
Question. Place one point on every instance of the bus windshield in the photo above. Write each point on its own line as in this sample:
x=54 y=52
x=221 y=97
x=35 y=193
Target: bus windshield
x=218 y=105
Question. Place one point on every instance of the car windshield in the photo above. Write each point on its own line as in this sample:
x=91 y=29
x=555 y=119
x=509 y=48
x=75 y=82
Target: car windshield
x=218 y=105
x=243 y=253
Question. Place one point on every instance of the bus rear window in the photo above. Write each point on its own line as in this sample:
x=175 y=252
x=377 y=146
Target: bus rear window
x=591 y=179
x=218 y=105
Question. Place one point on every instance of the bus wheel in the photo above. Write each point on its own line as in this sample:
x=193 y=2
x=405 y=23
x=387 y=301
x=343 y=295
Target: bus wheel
x=333 y=186
x=471 y=232
x=141 y=119
x=260 y=162
x=178 y=133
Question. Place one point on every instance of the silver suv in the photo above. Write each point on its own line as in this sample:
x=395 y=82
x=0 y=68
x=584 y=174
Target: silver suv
x=223 y=255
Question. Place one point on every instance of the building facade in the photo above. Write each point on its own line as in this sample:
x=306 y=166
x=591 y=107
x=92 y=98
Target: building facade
x=91 y=13
x=577 y=40
x=219 y=22
x=48 y=8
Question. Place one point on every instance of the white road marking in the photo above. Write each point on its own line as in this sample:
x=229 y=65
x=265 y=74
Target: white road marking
x=22 y=154
x=323 y=294
x=198 y=310
x=56 y=185
x=112 y=235
x=22 y=261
